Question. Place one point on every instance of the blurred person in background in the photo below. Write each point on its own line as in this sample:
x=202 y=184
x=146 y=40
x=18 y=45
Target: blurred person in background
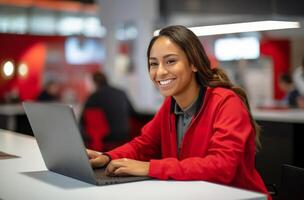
x=300 y=102
x=203 y=131
x=291 y=93
x=50 y=92
x=298 y=78
x=105 y=119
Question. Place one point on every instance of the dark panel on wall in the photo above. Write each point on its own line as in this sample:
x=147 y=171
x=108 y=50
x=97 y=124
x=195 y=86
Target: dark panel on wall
x=217 y=6
x=246 y=7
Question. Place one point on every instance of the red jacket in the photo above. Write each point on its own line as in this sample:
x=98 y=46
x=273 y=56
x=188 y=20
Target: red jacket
x=219 y=145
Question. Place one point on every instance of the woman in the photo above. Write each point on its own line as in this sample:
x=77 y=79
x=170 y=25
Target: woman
x=204 y=129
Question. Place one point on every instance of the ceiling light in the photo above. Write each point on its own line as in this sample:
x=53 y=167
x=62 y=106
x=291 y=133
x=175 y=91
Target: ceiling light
x=8 y=68
x=241 y=27
x=23 y=70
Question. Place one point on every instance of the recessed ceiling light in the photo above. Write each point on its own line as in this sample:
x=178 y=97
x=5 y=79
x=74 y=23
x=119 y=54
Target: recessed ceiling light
x=8 y=68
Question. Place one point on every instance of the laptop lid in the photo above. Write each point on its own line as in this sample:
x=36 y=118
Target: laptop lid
x=59 y=140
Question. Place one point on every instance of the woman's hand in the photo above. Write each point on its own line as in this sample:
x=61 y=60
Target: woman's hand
x=97 y=159
x=124 y=166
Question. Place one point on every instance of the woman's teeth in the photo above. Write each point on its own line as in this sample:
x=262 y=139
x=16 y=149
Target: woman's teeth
x=165 y=82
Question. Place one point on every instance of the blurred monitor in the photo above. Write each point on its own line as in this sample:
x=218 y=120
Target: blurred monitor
x=228 y=49
x=79 y=51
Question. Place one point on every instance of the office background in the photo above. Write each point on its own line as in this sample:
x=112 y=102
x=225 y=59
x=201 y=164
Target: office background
x=66 y=41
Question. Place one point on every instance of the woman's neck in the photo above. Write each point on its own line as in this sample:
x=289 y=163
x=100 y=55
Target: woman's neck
x=186 y=98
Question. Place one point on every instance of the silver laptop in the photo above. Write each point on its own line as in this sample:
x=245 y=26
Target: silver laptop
x=60 y=142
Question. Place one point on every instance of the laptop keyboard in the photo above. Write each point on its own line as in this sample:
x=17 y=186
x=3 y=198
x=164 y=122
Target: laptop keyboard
x=101 y=176
x=103 y=179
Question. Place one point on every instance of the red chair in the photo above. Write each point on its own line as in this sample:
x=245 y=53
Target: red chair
x=96 y=126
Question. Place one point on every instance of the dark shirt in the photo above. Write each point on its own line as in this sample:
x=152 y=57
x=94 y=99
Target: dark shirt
x=184 y=117
x=291 y=98
x=117 y=109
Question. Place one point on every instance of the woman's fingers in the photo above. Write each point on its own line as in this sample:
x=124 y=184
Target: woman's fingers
x=126 y=166
x=122 y=171
x=96 y=162
x=114 y=165
x=92 y=153
x=96 y=159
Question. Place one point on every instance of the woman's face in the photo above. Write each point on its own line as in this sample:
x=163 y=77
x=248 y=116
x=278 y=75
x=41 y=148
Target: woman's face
x=170 y=69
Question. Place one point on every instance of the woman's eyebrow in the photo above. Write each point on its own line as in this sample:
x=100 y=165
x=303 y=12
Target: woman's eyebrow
x=152 y=58
x=166 y=56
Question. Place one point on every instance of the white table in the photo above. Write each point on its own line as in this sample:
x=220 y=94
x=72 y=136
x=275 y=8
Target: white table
x=27 y=178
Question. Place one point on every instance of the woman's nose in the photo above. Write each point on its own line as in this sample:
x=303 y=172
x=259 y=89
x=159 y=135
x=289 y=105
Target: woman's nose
x=162 y=70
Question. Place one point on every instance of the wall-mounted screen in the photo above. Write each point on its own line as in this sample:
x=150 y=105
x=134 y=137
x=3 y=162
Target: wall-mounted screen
x=79 y=51
x=227 y=49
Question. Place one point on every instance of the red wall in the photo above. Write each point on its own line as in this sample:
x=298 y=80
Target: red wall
x=27 y=49
x=40 y=53
x=30 y=86
x=279 y=51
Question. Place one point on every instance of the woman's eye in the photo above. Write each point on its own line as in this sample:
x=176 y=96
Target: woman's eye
x=170 y=62
x=153 y=64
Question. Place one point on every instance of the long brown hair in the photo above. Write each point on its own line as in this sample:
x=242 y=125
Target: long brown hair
x=205 y=76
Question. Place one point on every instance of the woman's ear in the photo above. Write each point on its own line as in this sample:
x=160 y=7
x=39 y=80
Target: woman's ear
x=194 y=69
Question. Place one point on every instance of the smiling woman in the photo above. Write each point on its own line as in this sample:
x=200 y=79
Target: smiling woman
x=204 y=129
x=172 y=73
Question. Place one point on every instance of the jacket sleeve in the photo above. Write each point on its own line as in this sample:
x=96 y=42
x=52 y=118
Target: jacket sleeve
x=144 y=147
x=231 y=129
